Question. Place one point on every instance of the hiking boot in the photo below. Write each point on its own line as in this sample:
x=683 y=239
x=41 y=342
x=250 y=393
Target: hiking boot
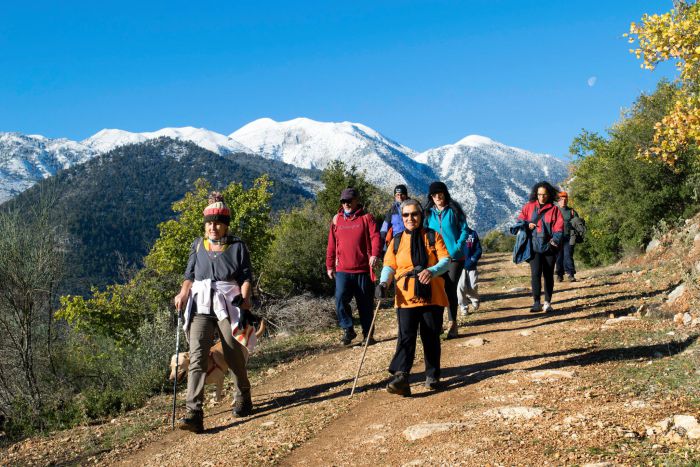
x=560 y=278
x=368 y=340
x=193 y=421
x=242 y=407
x=451 y=330
x=547 y=307
x=348 y=335
x=536 y=307
x=572 y=278
x=432 y=383
x=399 y=385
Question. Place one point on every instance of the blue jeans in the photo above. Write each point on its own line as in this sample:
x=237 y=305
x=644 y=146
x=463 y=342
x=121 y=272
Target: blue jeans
x=565 y=259
x=360 y=286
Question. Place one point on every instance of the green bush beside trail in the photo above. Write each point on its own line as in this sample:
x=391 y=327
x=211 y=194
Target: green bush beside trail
x=497 y=241
x=622 y=197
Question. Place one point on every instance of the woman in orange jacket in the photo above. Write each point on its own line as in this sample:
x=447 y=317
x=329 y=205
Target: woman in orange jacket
x=416 y=257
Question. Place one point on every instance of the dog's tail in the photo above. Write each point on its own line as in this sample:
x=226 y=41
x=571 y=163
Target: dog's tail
x=261 y=329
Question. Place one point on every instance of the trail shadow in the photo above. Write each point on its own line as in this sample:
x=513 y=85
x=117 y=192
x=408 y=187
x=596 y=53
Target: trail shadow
x=483 y=262
x=487 y=270
x=666 y=349
x=495 y=296
x=544 y=320
x=614 y=297
x=492 y=297
x=460 y=376
x=619 y=296
x=295 y=398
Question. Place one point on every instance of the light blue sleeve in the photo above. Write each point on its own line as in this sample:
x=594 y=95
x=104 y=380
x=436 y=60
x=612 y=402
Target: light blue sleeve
x=387 y=275
x=439 y=269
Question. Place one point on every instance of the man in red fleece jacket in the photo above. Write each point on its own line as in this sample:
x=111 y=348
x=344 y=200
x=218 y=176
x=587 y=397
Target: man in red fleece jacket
x=354 y=244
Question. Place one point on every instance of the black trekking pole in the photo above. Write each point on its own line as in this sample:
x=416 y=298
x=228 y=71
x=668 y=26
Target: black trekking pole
x=364 y=352
x=177 y=360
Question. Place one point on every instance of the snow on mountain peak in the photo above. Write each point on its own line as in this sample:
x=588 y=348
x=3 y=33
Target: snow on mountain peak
x=108 y=139
x=475 y=141
x=308 y=143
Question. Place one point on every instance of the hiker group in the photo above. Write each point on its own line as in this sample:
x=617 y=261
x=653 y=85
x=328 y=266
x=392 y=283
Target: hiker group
x=428 y=253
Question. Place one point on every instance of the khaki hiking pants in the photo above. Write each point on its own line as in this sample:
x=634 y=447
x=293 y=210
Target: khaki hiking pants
x=201 y=337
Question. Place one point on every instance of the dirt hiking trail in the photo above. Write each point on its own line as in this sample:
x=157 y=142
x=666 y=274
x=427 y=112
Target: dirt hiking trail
x=519 y=389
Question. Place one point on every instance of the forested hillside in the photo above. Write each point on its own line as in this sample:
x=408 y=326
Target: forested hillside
x=111 y=205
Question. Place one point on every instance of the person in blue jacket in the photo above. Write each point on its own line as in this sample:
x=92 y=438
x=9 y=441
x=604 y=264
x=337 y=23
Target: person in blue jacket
x=468 y=287
x=393 y=223
x=445 y=215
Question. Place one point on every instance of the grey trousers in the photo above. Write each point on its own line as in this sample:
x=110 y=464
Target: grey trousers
x=468 y=288
x=201 y=337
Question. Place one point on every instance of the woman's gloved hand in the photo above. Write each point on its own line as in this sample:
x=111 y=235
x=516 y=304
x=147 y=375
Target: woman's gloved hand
x=380 y=291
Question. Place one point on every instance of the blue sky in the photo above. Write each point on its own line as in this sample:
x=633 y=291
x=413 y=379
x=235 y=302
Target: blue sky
x=424 y=73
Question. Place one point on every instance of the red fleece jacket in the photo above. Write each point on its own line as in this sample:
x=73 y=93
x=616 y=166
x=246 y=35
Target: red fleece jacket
x=351 y=242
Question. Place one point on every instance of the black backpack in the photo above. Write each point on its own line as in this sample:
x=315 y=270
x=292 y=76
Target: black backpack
x=578 y=225
x=429 y=232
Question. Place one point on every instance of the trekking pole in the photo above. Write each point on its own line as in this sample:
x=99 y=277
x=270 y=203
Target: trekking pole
x=364 y=352
x=177 y=360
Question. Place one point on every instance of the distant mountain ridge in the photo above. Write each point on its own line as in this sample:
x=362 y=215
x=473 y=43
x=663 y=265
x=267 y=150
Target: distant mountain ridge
x=111 y=204
x=491 y=180
x=311 y=144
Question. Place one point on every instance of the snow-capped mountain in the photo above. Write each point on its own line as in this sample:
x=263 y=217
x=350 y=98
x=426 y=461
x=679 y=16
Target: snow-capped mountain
x=489 y=179
x=25 y=159
x=106 y=140
x=310 y=144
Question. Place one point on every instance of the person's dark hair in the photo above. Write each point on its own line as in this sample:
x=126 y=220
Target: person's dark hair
x=551 y=190
x=450 y=203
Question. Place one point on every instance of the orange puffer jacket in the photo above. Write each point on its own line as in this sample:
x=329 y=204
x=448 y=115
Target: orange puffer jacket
x=401 y=263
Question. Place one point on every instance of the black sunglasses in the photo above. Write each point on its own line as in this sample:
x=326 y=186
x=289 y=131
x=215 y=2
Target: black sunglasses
x=345 y=201
x=412 y=214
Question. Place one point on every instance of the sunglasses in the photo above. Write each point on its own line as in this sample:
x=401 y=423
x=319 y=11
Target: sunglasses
x=412 y=214
x=345 y=201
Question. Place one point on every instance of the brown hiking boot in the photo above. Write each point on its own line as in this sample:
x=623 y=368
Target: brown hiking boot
x=242 y=407
x=193 y=421
x=399 y=385
x=451 y=330
x=348 y=335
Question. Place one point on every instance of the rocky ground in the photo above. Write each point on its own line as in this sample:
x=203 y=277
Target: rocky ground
x=597 y=382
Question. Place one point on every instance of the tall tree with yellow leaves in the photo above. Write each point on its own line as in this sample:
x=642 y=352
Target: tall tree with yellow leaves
x=673 y=36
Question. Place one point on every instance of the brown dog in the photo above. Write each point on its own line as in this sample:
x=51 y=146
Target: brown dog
x=217 y=368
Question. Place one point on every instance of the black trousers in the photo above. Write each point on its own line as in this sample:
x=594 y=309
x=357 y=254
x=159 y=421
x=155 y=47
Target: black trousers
x=542 y=266
x=451 y=278
x=429 y=320
x=565 y=258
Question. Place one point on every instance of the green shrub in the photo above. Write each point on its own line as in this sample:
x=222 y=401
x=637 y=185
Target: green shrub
x=622 y=197
x=497 y=241
x=297 y=259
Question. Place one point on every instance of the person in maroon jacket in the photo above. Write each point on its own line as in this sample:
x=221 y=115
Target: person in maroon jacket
x=546 y=228
x=353 y=247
